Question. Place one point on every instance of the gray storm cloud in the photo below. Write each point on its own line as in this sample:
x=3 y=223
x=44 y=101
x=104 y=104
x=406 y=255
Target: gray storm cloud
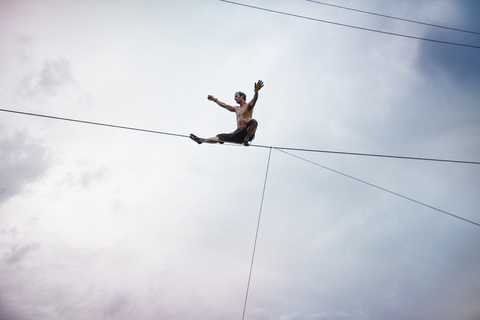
x=23 y=160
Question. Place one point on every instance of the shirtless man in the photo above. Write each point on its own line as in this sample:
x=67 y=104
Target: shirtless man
x=246 y=126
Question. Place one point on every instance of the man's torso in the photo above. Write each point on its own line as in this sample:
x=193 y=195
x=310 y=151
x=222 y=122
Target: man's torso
x=244 y=114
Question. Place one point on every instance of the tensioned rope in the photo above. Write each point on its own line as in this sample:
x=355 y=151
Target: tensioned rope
x=253 y=145
x=256 y=235
x=350 y=26
x=282 y=149
x=395 y=18
x=368 y=154
x=93 y=123
x=383 y=189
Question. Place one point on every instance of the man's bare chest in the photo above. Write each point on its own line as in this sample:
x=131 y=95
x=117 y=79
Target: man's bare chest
x=244 y=112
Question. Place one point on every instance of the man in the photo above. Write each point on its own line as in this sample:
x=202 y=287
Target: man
x=246 y=126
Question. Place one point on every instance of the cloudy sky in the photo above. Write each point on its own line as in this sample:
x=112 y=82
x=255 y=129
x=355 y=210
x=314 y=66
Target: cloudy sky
x=104 y=223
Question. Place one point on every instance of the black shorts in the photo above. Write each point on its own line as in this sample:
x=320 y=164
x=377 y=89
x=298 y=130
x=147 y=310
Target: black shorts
x=238 y=136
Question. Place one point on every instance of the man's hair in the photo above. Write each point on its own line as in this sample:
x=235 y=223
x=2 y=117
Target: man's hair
x=242 y=95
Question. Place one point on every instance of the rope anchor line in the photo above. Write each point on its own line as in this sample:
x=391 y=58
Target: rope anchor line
x=380 y=188
x=256 y=235
x=253 y=145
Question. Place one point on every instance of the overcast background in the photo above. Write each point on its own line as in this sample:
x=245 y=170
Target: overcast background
x=103 y=223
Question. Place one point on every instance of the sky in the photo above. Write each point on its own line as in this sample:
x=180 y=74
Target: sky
x=103 y=223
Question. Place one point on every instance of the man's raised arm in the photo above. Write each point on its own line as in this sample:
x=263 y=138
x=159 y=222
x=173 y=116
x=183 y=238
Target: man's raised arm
x=220 y=103
x=257 y=86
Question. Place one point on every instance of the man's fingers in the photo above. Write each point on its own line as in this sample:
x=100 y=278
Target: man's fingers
x=259 y=85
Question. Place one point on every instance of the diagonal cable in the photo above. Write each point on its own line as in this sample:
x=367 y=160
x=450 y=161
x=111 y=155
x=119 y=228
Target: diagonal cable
x=256 y=236
x=383 y=189
x=351 y=26
x=395 y=18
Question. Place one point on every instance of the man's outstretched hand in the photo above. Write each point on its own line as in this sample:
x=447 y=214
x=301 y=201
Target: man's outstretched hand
x=211 y=98
x=258 y=85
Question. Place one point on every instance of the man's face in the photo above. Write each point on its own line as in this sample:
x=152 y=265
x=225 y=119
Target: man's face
x=238 y=97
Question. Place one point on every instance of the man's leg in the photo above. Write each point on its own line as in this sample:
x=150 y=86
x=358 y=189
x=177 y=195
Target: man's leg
x=215 y=139
x=250 y=132
x=209 y=140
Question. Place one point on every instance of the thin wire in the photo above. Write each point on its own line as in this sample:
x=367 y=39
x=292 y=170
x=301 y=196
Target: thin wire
x=396 y=18
x=369 y=154
x=94 y=123
x=256 y=235
x=351 y=26
x=236 y=144
x=383 y=189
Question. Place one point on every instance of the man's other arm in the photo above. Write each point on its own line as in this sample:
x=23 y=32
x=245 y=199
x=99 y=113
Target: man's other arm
x=221 y=104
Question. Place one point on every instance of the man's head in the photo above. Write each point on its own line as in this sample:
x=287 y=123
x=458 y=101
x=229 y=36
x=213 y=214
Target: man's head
x=239 y=95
